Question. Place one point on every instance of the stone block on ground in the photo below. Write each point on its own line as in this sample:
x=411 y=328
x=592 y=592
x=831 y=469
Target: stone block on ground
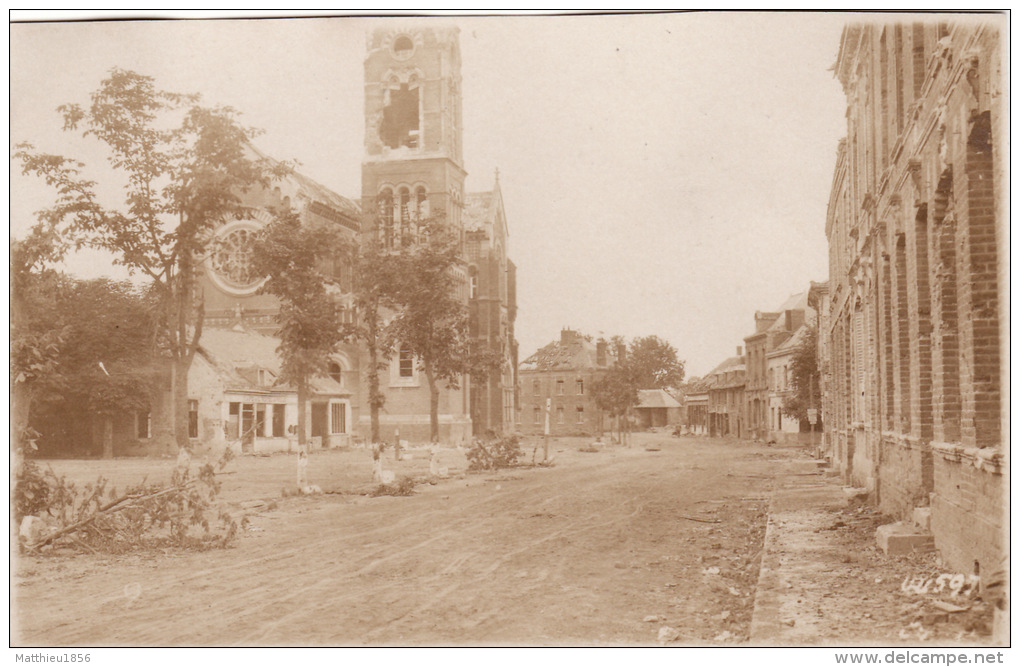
x=855 y=492
x=922 y=518
x=902 y=538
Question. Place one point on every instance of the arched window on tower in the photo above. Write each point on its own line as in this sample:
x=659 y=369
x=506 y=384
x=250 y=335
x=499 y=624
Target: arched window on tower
x=336 y=372
x=421 y=203
x=405 y=215
x=386 y=231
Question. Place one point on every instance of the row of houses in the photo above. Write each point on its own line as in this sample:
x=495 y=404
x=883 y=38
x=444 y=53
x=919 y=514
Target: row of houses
x=745 y=395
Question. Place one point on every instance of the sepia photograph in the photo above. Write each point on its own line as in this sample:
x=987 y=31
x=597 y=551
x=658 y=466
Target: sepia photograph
x=656 y=330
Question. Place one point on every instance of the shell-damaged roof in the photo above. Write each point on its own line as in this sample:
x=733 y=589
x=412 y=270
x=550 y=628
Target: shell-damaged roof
x=237 y=354
x=315 y=191
x=320 y=193
x=483 y=211
x=576 y=354
x=479 y=211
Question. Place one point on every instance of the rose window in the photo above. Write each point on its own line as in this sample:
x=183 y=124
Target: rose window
x=230 y=258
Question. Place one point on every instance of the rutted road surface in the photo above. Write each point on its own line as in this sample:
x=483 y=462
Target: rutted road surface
x=578 y=554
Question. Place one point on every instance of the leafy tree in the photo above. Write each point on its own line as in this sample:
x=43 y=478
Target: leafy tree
x=374 y=286
x=36 y=338
x=101 y=361
x=654 y=363
x=805 y=379
x=185 y=169
x=295 y=257
x=616 y=393
x=432 y=320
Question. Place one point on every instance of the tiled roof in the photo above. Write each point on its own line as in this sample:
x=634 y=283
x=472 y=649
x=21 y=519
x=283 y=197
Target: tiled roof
x=238 y=353
x=241 y=347
x=793 y=342
x=656 y=398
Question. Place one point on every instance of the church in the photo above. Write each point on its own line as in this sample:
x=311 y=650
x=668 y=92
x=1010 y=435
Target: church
x=412 y=169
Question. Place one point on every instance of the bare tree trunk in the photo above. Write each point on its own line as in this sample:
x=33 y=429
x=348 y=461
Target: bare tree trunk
x=375 y=396
x=433 y=404
x=302 y=418
x=107 y=436
x=179 y=400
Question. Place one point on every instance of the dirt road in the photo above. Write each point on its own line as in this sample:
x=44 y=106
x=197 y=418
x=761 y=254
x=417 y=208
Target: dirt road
x=578 y=554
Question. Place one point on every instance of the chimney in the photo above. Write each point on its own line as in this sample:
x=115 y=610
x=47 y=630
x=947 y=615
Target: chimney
x=601 y=348
x=567 y=336
x=740 y=351
x=621 y=352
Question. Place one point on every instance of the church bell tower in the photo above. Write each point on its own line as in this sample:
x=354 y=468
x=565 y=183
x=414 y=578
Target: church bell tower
x=413 y=167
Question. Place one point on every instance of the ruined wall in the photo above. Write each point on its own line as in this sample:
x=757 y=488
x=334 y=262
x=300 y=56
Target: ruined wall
x=916 y=258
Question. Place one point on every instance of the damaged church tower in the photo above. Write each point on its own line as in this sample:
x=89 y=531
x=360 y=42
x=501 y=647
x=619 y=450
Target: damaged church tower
x=413 y=171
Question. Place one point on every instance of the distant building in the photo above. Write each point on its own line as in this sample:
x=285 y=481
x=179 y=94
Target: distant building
x=726 y=401
x=783 y=428
x=695 y=406
x=561 y=375
x=771 y=330
x=916 y=331
x=656 y=408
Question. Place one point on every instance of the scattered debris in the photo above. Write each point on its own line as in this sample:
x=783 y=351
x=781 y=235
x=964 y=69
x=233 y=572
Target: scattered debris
x=653 y=618
x=668 y=634
x=693 y=518
x=949 y=607
x=723 y=636
x=915 y=631
x=710 y=570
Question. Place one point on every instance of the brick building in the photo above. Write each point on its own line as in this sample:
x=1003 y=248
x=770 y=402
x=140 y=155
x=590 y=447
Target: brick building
x=771 y=329
x=412 y=171
x=916 y=318
x=726 y=398
x=492 y=301
x=563 y=373
x=783 y=428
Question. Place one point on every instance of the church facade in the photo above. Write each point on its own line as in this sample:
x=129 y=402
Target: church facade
x=412 y=171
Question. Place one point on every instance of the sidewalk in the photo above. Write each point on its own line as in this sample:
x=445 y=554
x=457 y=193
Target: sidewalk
x=824 y=582
x=797 y=556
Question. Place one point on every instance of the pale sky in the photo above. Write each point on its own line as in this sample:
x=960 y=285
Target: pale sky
x=662 y=174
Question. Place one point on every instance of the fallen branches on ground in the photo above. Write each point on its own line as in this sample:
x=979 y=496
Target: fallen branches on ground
x=97 y=518
x=501 y=452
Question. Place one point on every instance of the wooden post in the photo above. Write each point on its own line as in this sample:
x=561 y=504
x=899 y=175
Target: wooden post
x=545 y=445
